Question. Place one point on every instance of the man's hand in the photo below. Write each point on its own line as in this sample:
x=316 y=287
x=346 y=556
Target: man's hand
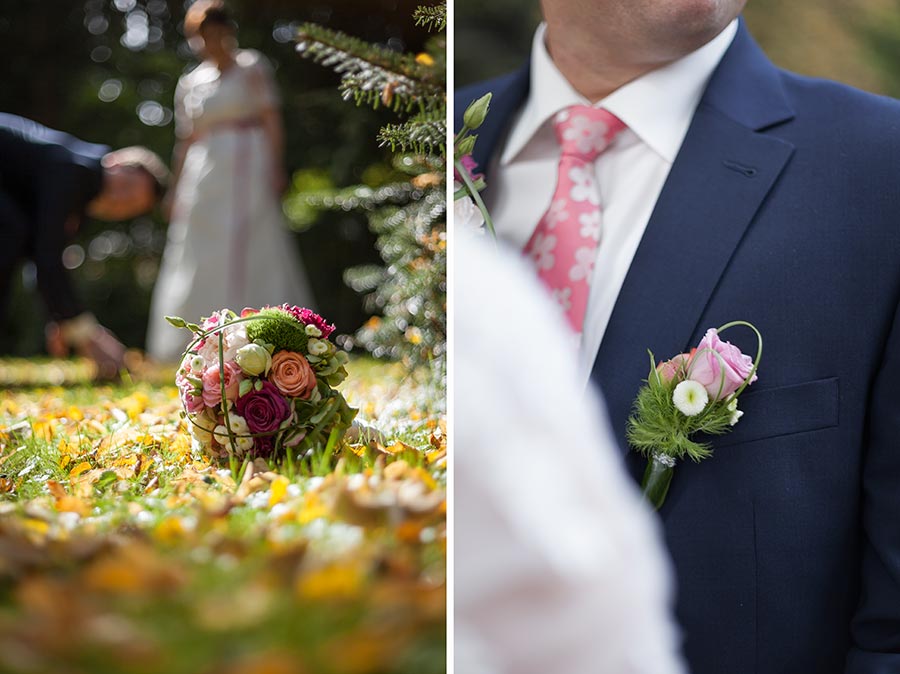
x=90 y=340
x=106 y=351
x=56 y=344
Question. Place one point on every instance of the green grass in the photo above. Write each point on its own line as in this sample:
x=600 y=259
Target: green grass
x=125 y=552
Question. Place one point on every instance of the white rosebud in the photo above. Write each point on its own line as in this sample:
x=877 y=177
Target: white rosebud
x=317 y=347
x=736 y=414
x=690 y=397
x=197 y=363
x=238 y=424
x=253 y=359
x=313 y=331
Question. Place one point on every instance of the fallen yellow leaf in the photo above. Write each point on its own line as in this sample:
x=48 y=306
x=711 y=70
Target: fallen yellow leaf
x=79 y=469
x=278 y=490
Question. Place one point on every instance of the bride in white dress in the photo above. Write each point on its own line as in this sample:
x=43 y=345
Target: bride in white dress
x=227 y=244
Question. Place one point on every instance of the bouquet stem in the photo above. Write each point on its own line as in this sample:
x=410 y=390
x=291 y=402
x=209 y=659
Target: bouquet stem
x=657 y=478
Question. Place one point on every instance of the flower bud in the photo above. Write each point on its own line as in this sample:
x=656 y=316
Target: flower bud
x=317 y=347
x=313 y=331
x=197 y=363
x=465 y=146
x=477 y=112
x=253 y=359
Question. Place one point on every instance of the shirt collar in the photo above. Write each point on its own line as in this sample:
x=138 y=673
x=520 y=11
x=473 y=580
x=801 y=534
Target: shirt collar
x=679 y=85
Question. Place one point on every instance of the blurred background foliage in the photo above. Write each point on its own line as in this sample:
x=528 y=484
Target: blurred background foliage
x=105 y=71
x=853 y=41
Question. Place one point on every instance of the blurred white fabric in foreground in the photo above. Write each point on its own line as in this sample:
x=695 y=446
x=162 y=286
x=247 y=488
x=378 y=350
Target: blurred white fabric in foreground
x=558 y=566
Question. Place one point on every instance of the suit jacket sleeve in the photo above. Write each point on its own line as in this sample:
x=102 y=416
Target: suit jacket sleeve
x=876 y=625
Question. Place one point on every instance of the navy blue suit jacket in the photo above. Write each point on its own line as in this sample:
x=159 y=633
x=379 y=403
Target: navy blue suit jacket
x=46 y=177
x=782 y=208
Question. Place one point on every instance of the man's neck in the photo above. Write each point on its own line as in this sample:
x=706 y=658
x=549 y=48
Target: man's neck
x=597 y=65
x=594 y=73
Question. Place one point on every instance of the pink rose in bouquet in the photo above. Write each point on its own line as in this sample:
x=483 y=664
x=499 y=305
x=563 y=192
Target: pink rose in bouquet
x=674 y=368
x=719 y=366
x=212 y=384
x=190 y=397
x=292 y=374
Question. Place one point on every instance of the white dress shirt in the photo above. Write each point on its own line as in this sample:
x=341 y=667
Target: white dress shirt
x=657 y=109
x=559 y=567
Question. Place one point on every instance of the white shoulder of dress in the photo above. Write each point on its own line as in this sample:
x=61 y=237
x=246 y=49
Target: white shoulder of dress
x=199 y=72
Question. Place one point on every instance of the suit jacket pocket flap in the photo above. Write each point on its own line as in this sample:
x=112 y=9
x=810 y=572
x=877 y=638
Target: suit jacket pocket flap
x=797 y=408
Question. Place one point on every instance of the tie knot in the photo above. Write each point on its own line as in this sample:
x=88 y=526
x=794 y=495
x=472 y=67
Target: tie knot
x=585 y=132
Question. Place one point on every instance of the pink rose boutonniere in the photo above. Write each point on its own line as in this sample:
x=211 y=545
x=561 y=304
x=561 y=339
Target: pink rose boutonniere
x=690 y=393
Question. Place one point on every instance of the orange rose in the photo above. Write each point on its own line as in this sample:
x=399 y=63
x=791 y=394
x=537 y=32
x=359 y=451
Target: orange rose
x=292 y=374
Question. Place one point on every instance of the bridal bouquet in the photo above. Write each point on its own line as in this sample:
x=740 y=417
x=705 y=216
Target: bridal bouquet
x=261 y=384
x=690 y=393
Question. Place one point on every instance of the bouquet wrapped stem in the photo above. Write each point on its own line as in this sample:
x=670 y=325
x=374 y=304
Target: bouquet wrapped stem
x=657 y=478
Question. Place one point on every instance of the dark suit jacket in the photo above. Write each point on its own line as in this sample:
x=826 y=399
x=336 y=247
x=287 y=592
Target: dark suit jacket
x=46 y=177
x=783 y=209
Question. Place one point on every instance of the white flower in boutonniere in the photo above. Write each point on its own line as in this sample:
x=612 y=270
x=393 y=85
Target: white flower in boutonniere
x=690 y=398
x=690 y=393
x=736 y=414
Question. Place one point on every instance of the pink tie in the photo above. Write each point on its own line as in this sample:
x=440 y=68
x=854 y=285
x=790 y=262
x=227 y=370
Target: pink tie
x=564 y=244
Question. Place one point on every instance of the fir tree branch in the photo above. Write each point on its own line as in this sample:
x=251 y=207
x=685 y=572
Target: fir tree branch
x=372 y=74
x=363 y=198
x=424 y=134
x=434 y=18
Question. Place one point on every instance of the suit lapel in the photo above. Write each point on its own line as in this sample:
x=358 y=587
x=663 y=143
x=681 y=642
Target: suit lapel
x=722 y=174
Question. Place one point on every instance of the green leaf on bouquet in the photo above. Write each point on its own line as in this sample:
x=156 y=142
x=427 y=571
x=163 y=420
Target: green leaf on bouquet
x=336 y=378
x=258 y=385
x=193 y=327
x=245 y=387
x=177 y=322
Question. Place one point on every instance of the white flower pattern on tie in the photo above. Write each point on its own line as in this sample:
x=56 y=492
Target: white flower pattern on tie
x=542 y=251
x=563 y=297
x=584 y=265
x=584 y=184
x=585 y=134
x=564 y=244
x=556 y=214
x=590 y=225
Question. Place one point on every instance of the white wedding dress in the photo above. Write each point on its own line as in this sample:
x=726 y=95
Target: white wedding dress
x=558 y=565
x=227 y=243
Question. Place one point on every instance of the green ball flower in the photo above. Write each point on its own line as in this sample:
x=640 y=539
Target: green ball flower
x=274 y=326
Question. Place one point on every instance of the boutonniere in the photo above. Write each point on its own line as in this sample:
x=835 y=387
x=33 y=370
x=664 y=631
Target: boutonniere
x=690 y=393
x=469 y=211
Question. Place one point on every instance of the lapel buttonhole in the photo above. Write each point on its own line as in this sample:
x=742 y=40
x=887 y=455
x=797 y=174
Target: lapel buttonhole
x=747 y=171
